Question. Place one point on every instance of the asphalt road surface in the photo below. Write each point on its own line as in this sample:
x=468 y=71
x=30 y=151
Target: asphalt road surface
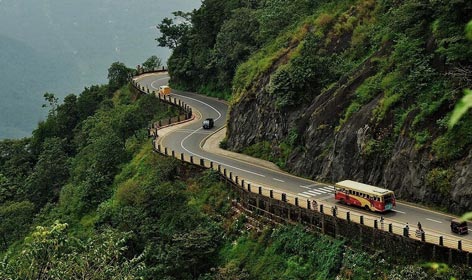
x=190 y=138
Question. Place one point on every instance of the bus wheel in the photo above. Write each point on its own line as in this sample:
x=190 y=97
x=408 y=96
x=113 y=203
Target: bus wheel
x=367 y=207
x=342 y=201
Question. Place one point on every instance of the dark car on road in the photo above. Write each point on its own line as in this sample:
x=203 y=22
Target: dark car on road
x=459 y=226
x=208 y=123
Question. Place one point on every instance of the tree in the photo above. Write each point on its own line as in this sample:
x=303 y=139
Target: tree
x=118 y=75
x=152 y=63
x=234 y=44
x=50 y=173
x=172 y=33
x=52 y=103
x=15 y=218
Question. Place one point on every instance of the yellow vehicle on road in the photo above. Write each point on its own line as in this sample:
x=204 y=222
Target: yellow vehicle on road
x=165 y=90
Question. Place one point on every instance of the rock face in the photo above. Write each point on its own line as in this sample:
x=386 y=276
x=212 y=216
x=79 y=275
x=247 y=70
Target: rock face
x=357 y=150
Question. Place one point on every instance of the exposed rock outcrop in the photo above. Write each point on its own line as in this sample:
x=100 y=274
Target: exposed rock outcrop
x=356 y=150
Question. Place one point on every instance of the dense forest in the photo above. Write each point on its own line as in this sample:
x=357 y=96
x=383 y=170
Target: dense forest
x=85 y=196
x=334 y=90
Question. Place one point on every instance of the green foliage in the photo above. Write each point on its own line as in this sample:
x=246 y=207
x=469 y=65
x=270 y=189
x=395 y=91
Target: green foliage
x=152 y=63
x=50 y=173
x=15 y=219
x=454 y=142
x=285 y=253
x=172 y=33
x=461 y=108
x=378 y=147
x=359 y=265
x=440 y=180
x=118 y=75
x=174 y=233
x=49 y=253
x=468 y=30
x=421 y=138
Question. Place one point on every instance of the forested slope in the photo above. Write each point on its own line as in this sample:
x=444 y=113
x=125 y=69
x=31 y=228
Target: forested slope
x=86 y=198
x=335 y=90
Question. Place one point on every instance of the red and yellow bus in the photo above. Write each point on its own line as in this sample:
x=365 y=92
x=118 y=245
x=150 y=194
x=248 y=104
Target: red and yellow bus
x=366 y=196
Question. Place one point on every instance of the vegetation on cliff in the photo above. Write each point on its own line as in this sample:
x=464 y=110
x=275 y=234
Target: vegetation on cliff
x=401 y=65
x=86 y=198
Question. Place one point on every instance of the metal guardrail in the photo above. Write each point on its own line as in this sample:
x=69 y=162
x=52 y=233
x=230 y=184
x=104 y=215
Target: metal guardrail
x=302 y=202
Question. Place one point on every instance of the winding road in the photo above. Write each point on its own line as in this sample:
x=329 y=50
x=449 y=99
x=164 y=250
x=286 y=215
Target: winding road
x=189 y=139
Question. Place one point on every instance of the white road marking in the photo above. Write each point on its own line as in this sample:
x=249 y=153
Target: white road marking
x=320 y=191
x=328 y=189
x=278 y=180
x=401 y=212
x=436 y=221
x=197 y=130
x=309 y=186
x=304 y=195
x=189 y=131
x=315 y=192
x=158 y=80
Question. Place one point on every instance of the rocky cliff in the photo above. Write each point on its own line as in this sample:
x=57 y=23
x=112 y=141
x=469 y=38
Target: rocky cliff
x=381 y=119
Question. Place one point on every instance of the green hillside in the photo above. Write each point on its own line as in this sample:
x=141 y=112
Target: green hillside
x=86 y=198
x=362 y=87
x=334 y=90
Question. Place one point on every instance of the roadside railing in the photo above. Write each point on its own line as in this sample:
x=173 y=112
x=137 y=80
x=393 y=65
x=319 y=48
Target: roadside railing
x=369 y=220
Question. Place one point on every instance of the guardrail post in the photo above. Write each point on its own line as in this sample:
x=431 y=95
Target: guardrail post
x=236 y=179
x=249 y=187
x=271 y=194
x=202 y=162
x=361 y=220
x=260 y=190
x=423 y=236
x=321 y=208
x=284 y=197
x=159 y=148
x=178 y=118
x=165 y=151
x=170 y=120
x=219 y=168
x=224 y=172
x=308 y=204
x=296 y=201
x=459 y=245
x=390 y=228
x=231 y=176
x=441 y=241
x=173 y=153
x=348 y=216
x=376 y=225
x=182 y=156
x=191 y=159
x=160 y=123
x=406 y=232
x=211 y=164
x=179 y=103
x=242 y=183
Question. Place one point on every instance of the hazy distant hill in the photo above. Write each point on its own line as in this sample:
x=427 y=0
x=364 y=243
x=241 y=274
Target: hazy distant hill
x=61 y=46
x=24 y=77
